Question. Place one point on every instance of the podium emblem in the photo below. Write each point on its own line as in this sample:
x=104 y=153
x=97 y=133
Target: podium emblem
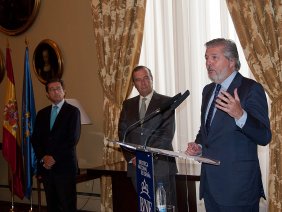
x=145 y=181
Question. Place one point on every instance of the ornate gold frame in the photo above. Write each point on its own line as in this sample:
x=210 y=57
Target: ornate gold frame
x=17 y=17
x=2 y=67
x=50 y=65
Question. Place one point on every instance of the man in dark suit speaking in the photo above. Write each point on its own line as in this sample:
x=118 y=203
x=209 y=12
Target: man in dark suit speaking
x=234 y=121
x=56 y=134
x=157 y=132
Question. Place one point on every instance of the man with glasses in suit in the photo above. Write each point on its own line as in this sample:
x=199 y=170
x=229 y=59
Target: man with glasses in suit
x=55 y=136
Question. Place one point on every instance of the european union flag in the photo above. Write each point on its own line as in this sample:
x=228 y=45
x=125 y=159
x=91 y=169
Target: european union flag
x=28 y=119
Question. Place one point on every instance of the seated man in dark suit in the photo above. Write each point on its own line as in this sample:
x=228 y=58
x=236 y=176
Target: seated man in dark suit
x=157 y=132
x=55 y=136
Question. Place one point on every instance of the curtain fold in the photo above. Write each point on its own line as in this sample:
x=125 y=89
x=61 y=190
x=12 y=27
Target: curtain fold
x=259 y=28
x=118 y=30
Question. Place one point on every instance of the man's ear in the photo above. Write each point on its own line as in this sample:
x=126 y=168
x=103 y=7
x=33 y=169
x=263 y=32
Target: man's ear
x=232 y=62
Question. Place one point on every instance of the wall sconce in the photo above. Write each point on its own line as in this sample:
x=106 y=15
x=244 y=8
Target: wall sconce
x=83 y=115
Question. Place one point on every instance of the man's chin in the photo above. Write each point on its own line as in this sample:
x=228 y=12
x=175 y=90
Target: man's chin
x=144 y=93
x=212 y=78
x=215 y=79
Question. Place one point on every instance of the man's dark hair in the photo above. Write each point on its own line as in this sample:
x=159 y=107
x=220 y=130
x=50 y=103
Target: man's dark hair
x=54 y=80
x=137 y=68
x=230 y=49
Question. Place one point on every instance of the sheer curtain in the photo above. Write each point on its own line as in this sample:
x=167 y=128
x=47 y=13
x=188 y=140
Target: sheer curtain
x=173 y=48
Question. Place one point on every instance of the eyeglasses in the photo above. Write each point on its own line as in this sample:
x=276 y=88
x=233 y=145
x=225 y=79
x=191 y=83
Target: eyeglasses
x=55 y=89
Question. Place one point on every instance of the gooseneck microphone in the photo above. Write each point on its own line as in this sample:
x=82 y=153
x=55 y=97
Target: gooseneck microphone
x=180 y=100
x=173 y=106
x=165 y=106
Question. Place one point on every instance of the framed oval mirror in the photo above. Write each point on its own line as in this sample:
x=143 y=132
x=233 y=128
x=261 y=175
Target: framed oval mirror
x=47 y=61
x=17 y=15
x=2 y=67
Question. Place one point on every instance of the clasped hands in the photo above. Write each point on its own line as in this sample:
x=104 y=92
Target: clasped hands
x=48 y=161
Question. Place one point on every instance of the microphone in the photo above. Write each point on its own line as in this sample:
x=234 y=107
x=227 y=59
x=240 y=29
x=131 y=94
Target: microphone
x=169 y=103
x=180 y=100
x=162 y=108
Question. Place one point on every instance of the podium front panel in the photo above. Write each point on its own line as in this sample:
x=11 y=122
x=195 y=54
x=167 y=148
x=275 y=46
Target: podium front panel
x=145 y=181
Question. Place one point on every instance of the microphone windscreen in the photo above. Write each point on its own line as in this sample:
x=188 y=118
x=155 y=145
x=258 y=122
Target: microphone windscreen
x=169 y=102
x=180 y=100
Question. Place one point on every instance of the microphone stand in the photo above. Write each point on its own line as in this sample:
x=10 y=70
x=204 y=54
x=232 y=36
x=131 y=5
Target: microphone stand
x=162 y=108
x=173 y=106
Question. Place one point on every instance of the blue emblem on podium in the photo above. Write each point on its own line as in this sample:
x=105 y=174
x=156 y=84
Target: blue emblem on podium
x=145 y=181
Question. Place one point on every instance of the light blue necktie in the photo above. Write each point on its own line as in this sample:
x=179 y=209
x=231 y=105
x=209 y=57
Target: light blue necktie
x=54 y=113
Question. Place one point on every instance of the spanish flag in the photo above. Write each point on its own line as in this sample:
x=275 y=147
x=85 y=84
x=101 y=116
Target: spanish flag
x=11 y=147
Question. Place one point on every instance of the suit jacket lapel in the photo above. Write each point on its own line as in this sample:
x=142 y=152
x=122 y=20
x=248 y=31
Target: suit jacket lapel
x=220 y=116
x=135 y=108
x=59 y=115
x=206 y=97
x=48 y=117
x=235 y=83
x=153 y=104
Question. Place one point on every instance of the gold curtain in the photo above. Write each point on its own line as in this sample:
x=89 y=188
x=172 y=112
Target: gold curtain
x=259 y=27
x=118 y=28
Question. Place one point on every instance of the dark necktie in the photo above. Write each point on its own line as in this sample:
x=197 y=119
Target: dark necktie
x=142 y=111
x=210 y=113
x=54 y=113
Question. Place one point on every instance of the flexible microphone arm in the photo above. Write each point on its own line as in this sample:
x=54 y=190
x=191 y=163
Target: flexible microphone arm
x=176 y=103
x=162 y=108
x=180 y=100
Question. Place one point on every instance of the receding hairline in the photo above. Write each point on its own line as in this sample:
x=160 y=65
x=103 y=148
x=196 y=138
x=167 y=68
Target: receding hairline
x=138 y=68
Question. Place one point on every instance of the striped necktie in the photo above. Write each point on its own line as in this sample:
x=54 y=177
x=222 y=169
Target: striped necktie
x=142 y=111
x=211 y=110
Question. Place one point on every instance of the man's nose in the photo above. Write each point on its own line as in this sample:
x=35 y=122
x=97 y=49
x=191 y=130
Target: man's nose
x=208 y=62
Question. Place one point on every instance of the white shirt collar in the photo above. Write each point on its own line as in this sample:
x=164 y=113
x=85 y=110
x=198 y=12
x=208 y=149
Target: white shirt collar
x=148 y=99
x=226 y=83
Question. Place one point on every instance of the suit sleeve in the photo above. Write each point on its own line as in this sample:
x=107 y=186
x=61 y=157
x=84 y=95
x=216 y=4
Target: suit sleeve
x=122 y=126
x=198 y=139
x=69 y=136
x=122 y=122
x=35 y=139
x=257 y=126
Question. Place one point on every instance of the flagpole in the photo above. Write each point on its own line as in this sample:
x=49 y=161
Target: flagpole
x=26 y=42
x=30 y=210
x=10 y=147
x=28 y=119
x=12 y=193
